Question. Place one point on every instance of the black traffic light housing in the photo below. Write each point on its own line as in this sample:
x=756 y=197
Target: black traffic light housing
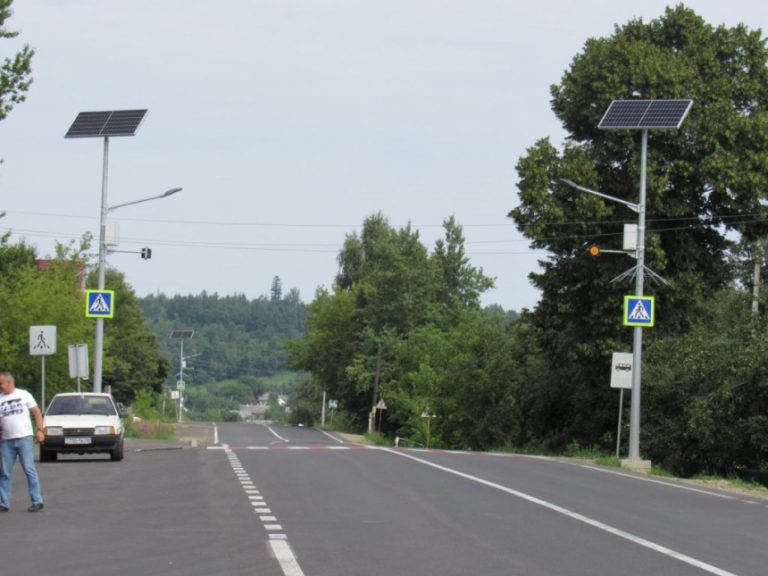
x=146 y=253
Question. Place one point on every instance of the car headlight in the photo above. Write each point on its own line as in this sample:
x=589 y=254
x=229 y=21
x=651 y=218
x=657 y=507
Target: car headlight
x=54 y=431
x=99 y=430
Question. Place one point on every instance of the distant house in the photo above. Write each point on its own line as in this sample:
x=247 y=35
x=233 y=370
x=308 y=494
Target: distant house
x=250 y=412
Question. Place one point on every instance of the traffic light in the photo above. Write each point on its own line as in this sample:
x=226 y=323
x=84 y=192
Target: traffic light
x=594 y=250
x=146 y=253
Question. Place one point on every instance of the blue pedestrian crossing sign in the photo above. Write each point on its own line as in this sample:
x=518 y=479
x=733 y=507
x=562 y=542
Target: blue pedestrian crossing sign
x=639 y=311
x=99 y=303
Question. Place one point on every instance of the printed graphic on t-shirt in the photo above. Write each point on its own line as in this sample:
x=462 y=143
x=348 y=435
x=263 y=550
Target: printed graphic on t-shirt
x=12 y=407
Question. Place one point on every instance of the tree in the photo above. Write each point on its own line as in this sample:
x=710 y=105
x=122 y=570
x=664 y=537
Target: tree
x=704 y=181
x=276 y=292
x=707 y=390
x=131 y=357
x=388 y=288
x=15 y=71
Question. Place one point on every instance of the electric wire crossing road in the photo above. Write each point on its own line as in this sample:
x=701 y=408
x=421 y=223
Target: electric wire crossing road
x=278 y=541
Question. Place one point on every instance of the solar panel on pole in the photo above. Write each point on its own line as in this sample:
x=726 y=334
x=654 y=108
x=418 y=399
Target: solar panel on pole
x=182 y=334
x=106 y=124
x=645 y=114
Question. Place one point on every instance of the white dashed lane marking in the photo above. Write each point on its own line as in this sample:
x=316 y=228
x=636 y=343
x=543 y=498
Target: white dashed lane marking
x=278 y=540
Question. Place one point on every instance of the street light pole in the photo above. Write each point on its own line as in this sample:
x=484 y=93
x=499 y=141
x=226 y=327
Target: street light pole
x=637 y=341
x=99 y=343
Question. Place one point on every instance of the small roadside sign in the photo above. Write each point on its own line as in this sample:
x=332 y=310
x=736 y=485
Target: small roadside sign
x=78 y=360
x=99 y=303
x=621 y=370
x=42 y=340
x=639 y=311
x=180 y=385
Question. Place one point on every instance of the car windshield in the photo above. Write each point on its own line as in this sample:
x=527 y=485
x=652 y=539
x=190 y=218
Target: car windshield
x=81 y=405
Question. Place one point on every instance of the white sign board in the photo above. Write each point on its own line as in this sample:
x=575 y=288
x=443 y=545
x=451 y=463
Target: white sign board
x=42 y=340
x=78 y=361
x=621 y=370
x=175 y=394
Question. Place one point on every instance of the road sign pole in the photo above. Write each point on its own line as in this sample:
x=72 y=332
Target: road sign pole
x=618 y=431
x=322 y=413
x=42 y=382
x=181 y=378
x=637 y=345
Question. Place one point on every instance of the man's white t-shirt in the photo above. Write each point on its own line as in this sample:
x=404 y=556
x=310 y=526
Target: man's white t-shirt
x=14 y=414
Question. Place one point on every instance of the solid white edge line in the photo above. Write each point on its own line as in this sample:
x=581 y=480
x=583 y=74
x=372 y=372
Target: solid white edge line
x=276 y=434
x=575 y=516
x=285 y=557
x=662 y=482
x=331 y=436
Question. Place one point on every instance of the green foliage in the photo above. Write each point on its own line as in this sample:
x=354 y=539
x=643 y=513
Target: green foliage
x=707 y=391
x=30 y=296
x=131 y=359
x=52 y=294
x=705 y=181
x=234 y=336
x=238 y=351
x=422 y=311
x=15 y=71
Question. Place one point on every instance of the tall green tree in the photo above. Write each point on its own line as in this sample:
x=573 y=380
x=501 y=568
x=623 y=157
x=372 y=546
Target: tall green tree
x=389 y=287
x=705 y=181
x=132 y=361
x=16 y=70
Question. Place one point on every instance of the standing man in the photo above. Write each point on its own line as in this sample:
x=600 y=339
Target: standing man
x=17 y=440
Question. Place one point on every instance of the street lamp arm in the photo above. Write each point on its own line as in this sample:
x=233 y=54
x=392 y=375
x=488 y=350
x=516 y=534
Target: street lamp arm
x=156 y=197
x=631 y=205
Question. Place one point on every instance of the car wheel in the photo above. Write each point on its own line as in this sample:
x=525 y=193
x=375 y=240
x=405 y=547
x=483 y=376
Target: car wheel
x=48 y=455
x=116 y=454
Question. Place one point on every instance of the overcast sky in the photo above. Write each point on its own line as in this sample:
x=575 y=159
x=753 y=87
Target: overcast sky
x=287 y=122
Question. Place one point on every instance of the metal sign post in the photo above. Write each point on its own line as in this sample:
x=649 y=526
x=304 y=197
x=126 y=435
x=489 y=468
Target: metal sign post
x=621 y=377
x=42 y=342
x=78 y=362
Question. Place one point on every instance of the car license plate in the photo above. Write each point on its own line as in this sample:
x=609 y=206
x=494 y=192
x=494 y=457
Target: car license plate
x=77 y=441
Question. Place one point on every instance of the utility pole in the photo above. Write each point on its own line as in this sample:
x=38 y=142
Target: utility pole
x=372 y=415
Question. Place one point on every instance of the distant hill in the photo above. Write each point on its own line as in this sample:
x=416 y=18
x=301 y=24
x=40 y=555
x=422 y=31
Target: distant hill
x=234 y=338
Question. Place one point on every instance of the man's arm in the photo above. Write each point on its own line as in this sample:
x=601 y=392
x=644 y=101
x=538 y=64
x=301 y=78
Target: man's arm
x=38 y=416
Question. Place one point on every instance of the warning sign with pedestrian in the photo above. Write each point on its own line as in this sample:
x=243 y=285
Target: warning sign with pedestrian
x=639 y=311
x=99 y=303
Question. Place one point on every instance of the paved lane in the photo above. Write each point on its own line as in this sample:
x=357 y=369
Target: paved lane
x=385 y=511
x=281 y=501
x=161 y=513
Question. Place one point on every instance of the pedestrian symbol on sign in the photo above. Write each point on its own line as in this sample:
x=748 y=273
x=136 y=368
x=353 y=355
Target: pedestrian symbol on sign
x=639 y=311
x=41 y=344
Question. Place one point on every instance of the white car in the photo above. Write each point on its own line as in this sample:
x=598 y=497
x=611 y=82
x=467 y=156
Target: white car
x=82 y=424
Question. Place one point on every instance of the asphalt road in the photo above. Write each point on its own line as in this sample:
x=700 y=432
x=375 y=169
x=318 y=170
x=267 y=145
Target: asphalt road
x=296 y=501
